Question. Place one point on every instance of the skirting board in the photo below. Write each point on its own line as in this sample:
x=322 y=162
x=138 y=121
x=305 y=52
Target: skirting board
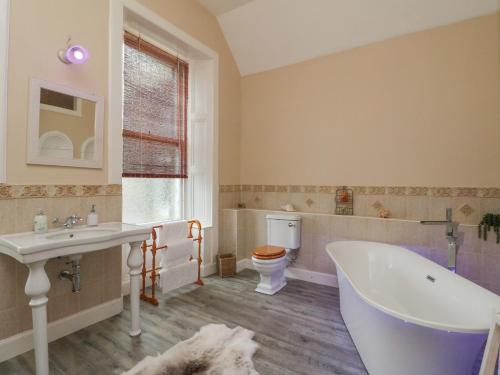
x=244 y=263
x=298 y=273
x=291 y=272
x=23 y=342
x=312 y=276
x=208 y=269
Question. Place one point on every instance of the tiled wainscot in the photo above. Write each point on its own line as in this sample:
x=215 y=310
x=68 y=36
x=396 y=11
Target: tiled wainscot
x=100 y=270
x=478 y=260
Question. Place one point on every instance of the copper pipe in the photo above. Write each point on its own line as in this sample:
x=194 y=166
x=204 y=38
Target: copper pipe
x=199 y=238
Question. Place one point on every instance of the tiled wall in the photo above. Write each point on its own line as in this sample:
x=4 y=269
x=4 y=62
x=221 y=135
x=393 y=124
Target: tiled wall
x=244 y=229
x=413 y=203
x=100 y=270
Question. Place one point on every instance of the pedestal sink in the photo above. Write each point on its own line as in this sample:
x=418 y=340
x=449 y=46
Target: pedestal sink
x=34 y=250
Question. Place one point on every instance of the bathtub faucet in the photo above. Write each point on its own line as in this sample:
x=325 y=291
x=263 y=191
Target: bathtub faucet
x=451 y=236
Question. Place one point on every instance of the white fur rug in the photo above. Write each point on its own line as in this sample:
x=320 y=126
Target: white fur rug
x=214 y=350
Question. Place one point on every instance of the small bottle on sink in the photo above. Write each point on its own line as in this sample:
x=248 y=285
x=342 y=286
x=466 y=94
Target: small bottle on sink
x=92 y=218
x=40 y=222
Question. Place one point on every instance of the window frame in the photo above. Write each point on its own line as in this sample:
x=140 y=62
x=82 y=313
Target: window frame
x=125 y=13
x=202 y=78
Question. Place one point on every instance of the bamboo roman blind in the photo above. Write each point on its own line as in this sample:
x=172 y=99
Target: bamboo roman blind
x=154 y=111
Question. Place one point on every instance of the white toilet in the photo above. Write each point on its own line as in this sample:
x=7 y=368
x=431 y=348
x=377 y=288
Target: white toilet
x=270 y=261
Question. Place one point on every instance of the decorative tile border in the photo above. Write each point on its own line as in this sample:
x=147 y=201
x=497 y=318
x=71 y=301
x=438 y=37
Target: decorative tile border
x=417 y=191
x=396 y=190
x=440 y=192
x=466 y=210
x=234 y=188
x=327 y=189
x=57 y=191
x=270 y=188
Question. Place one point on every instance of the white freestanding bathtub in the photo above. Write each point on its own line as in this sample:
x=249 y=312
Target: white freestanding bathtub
x=408 y=315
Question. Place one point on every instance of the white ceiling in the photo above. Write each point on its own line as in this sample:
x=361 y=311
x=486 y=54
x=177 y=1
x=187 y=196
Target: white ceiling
x=266 y=34
x=218 y=7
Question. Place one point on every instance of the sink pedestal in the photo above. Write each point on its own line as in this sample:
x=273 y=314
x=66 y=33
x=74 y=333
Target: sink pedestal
x=37 y=287
x=134 y=262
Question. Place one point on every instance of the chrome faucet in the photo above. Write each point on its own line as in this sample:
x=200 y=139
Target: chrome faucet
x=451 y=236
x=69 y=222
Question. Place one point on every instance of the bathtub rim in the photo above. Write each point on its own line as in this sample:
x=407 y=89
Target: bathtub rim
x=404 y=317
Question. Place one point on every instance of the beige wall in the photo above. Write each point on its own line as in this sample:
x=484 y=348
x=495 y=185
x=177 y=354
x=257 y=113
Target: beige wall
x=33 y=54
x=192 y=18
x=38 y=29
x=422 y=109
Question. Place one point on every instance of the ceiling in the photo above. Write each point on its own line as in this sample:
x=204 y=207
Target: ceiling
x=267 y=34
x=218 y=7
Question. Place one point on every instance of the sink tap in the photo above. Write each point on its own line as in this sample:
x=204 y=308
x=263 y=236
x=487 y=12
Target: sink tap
x=69 y=222
x=451 y=236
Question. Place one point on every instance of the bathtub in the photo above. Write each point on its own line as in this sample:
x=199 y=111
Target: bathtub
x=408 y=315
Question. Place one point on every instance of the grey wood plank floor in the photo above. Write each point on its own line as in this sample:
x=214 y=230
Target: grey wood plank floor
x=299 y=330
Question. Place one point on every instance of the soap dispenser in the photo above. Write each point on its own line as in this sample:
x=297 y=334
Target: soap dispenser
x=40 y=222
x=92 y=218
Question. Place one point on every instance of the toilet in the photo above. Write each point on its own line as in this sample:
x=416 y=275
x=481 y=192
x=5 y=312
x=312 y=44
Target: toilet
x=270 y=261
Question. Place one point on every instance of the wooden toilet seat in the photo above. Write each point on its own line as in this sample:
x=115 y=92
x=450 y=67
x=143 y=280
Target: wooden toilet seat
x=269 y=252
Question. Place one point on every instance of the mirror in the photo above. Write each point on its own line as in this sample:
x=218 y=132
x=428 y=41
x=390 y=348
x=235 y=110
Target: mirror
x=65 y=126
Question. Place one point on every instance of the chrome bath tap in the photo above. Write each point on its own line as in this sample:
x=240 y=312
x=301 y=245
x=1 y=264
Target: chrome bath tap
x=451 y=236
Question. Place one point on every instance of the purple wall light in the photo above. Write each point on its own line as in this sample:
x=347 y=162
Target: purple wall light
x=74 y=54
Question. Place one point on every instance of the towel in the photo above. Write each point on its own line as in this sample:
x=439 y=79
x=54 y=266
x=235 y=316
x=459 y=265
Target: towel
x=174 y=277
x=172 y=232
x=177 y=252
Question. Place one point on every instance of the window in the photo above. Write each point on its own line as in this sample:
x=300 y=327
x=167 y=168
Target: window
x=59 y=102
x=154 y=133
x=152 y=200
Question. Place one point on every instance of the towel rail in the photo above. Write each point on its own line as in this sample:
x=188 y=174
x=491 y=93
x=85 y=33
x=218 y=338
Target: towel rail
x=153 y=271
x=199 y=281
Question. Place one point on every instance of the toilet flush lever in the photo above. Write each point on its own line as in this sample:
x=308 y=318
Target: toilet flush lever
x=291 y=225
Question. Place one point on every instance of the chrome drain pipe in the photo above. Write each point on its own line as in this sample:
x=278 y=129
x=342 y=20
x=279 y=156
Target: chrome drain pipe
x=74 y=274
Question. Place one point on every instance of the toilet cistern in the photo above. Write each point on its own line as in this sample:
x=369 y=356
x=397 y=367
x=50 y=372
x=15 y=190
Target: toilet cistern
x=451 y=236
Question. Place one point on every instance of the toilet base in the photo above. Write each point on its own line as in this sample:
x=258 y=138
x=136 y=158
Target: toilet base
x=272 y=275
x=269 y=289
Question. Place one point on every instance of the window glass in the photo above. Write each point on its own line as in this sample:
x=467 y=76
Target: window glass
x=150 y=200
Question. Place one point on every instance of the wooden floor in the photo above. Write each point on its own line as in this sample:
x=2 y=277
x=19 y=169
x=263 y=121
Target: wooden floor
x=300 y=330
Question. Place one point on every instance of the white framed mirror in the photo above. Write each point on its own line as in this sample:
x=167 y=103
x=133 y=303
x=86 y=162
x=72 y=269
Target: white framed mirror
x=65 y=126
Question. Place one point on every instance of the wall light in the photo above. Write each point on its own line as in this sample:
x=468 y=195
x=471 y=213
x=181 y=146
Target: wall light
x=73 y=54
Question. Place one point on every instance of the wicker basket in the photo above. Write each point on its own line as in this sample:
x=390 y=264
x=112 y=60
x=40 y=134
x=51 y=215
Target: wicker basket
x=227 y=265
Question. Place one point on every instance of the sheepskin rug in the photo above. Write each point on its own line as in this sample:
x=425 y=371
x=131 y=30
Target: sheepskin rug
x=214 y=350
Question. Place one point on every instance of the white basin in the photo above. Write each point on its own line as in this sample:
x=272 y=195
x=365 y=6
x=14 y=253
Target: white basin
x=30 y=247
x=74 y=234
